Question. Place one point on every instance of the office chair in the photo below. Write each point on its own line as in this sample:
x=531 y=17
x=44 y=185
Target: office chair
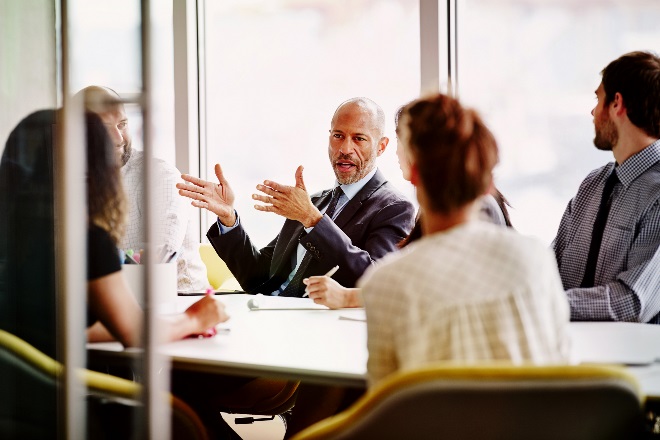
x=219 y=275
x=493 y=402
x=29 y=382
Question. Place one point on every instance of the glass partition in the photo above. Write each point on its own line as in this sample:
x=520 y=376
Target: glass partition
x=50 y=50
x=107 y=53
x=28 y=82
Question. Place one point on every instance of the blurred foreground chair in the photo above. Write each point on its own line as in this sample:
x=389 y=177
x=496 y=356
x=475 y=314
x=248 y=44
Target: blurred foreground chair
x=29 y=374
x=493 y=402
x=219 y=275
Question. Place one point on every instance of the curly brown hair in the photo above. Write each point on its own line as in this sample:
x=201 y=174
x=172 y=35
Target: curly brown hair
x=453 y=150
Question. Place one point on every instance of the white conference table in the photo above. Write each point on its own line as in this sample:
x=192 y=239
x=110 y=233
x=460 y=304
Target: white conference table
x=312 y=345
x=330 y=346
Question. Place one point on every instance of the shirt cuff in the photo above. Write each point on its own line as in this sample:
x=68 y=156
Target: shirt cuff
x=224 y=229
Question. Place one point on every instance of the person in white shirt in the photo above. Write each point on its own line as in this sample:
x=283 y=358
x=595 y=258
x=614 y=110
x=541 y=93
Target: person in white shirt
x=467 y=291
x=175 y=234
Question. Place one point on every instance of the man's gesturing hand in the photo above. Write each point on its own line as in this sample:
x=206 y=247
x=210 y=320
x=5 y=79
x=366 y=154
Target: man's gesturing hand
x=291 y=202
x=216 y=197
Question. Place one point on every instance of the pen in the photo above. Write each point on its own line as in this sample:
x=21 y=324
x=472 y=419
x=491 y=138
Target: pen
x=329 y=273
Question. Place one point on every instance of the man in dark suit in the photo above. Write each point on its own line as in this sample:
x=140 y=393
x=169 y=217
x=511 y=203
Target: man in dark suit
x=357 y=222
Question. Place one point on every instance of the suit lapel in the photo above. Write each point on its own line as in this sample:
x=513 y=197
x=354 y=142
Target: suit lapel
x=287 y=241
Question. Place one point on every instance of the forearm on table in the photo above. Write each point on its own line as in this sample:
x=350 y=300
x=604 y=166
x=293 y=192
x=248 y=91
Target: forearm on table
x=176 y=327
x=611 y=302
x=353 y=297
x=98 y=333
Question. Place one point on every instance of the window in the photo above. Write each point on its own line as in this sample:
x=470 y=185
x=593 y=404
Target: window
x=531 y=68
x=275 y=73
x=107 y=53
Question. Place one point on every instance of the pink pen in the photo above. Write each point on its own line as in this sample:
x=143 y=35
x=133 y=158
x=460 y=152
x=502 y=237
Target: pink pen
x=211 y=331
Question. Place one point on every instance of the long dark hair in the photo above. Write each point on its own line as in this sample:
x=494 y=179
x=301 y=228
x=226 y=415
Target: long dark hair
x=27 y=170
x=28 y=246
x=106 y=200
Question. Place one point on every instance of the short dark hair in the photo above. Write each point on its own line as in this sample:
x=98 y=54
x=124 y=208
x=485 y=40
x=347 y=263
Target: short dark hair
x=453 y=150
x=636 y=76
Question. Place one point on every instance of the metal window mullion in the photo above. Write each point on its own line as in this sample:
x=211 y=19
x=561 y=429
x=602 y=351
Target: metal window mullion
x=429 y=46
x=452 y=48
x=186 y=93
x=201 y=102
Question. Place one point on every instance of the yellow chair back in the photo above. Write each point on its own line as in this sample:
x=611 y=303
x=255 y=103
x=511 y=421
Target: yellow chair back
x=493 y=402
x=186 y=422
x=217 y=271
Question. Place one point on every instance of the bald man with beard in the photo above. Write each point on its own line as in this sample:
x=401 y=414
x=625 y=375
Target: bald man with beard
x=353 y=224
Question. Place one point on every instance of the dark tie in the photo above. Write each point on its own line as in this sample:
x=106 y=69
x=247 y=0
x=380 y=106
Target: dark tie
x=599 y=227
x=296 y=286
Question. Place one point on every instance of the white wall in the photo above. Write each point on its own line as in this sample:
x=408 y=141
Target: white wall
x=28 y=79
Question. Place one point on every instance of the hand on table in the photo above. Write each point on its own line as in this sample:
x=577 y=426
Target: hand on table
x=207 y=313
x=324 y=290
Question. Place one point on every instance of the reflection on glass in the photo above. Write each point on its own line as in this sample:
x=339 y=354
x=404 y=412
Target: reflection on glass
x=106 y=52
x=276 y=71
x=531 y=68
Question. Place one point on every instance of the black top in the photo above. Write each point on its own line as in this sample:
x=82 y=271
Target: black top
x=28 y=252
x=102 y=259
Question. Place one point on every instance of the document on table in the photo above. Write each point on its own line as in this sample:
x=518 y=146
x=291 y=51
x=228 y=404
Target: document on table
x=263 y=302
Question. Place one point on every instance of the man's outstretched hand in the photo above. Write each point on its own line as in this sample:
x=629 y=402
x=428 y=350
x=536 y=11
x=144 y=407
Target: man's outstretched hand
x=215 y=197
x=292 y=202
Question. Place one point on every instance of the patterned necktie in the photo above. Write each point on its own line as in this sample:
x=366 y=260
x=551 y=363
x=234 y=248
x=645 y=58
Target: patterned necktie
x=296 y=286
x=599 y=227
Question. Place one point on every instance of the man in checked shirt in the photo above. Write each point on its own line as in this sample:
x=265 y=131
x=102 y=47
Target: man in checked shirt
x=175 y=232
x=607 y=242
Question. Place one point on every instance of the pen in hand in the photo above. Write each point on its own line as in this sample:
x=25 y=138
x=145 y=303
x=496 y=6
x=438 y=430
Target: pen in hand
x=330 y=273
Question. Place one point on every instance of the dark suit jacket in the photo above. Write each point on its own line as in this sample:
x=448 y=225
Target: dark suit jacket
x=370 y=226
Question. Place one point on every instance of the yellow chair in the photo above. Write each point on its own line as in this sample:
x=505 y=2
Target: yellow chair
x=219 y=275
x=38 y=375
x=493 y=402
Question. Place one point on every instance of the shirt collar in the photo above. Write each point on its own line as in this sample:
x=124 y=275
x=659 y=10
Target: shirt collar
x=637 y=164
x=353 y=188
